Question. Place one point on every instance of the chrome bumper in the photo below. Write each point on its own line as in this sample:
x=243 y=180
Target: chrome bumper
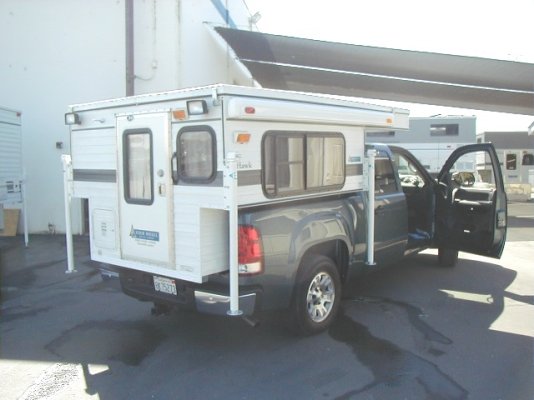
x=211 y=303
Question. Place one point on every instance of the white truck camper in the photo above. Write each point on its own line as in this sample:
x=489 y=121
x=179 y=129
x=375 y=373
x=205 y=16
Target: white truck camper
x=232 y=200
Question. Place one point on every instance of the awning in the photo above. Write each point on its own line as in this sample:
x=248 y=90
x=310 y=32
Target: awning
x=281 y=62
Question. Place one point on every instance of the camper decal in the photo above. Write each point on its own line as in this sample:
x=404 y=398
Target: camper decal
x=147 y=238
x=244 y=164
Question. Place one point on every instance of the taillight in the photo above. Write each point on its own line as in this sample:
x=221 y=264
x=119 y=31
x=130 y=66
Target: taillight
x=250 y=252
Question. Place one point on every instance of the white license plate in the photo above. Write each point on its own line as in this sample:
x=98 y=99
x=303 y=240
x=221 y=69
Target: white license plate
x=165 y=285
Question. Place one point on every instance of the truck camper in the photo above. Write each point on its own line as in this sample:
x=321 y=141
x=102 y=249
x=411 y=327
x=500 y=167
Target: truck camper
x=231 y=200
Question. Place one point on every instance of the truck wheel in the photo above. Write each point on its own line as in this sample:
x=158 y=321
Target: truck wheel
x=447 y=257
x=317 y=295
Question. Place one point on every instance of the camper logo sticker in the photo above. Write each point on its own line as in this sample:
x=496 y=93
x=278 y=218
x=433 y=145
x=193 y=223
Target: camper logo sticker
x=144 y=237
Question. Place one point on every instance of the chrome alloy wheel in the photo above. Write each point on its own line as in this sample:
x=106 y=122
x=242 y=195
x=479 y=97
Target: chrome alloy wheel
x=321 y=296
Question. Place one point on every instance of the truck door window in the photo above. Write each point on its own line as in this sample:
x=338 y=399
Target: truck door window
x=196 y=154
x=298 y=162
x=384 y=176
x=137 y=150
x=473 y=170
x=409 y=174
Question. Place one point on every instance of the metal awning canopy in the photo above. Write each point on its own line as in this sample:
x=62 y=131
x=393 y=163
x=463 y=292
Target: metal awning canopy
x=281 y=62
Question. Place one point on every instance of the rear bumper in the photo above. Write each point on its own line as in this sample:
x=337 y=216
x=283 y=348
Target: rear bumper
x=205 y=298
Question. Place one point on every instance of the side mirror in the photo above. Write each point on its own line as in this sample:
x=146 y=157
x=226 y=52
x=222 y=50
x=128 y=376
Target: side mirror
x=464 y=178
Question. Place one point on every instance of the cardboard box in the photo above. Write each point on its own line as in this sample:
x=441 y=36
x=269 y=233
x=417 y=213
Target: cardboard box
x=11 y=222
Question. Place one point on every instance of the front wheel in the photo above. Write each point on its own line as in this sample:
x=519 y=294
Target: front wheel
x=447 y=257
x=317 y=295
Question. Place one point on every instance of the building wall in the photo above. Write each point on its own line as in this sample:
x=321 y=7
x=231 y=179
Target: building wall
x=170 y=55
x=56 y=53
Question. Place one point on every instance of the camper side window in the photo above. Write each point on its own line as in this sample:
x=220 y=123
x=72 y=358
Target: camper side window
x=298 y=162
x=196 y=154
x=137 y=148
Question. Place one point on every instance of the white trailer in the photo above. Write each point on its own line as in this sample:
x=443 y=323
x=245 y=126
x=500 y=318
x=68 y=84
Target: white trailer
x=166 y=174
x=11 y=167
x=431 y=139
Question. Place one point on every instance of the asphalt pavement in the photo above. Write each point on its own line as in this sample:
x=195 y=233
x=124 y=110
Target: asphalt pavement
x=412 y=331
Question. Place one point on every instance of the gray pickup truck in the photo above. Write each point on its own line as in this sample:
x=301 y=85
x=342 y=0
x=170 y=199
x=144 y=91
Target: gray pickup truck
x=301 y=253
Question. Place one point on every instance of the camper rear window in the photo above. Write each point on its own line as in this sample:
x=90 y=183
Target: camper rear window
x=195 y=147
x=300 y=162
x=137 y=148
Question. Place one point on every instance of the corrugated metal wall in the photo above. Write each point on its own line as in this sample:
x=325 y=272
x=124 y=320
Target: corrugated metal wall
x=10 y=145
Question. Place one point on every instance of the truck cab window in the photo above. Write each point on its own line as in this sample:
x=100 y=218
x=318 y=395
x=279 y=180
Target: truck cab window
x=409 y=174
x=385 y=182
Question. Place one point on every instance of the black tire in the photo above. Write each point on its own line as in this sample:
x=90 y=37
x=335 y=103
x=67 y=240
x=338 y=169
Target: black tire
x=447 y=257
x=317 y=295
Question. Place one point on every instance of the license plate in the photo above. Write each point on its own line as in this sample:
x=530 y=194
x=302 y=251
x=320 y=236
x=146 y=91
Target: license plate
x=165 y=285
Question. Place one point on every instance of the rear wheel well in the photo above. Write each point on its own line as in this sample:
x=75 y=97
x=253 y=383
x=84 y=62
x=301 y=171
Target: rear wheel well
x=336 y=250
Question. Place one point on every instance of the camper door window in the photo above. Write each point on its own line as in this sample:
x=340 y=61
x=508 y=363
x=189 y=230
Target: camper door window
x=137 y=148
x=196 y=154
x=299 y=162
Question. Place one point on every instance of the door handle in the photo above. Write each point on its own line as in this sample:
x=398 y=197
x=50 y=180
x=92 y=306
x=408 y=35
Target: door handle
x=174 y=169
x=162 y=189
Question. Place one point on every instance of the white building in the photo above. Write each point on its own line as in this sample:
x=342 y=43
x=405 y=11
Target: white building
x=57 y=53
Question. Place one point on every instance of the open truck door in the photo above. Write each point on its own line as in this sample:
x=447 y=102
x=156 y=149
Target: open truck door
x=471 y=205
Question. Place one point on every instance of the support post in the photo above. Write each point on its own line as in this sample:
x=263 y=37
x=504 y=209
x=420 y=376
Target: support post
x=230 y=185
x=67 y=191
x=371 y=155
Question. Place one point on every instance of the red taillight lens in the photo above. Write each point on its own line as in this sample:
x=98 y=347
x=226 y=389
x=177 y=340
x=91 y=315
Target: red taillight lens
x=250 y=252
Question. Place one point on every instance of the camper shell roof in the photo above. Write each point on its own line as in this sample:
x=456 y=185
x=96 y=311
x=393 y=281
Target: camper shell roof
x=244 y=91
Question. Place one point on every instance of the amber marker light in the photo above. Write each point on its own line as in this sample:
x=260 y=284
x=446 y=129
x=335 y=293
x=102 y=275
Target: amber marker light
x=179 y=114
x=242 y=137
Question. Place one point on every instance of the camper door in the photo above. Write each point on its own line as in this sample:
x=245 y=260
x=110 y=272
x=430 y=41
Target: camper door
x=145 y=188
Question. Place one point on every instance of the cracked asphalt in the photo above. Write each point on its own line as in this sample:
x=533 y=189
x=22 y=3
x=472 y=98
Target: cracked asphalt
x=412 y=331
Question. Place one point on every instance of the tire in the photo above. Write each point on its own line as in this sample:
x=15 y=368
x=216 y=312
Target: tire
x=447 y=257
x=317 y=295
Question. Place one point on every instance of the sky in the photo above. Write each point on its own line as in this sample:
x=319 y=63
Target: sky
x=492 y=29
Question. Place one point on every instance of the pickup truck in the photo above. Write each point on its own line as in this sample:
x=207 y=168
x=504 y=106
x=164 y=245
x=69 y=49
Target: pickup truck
x=306 y=251
x=231 y=200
